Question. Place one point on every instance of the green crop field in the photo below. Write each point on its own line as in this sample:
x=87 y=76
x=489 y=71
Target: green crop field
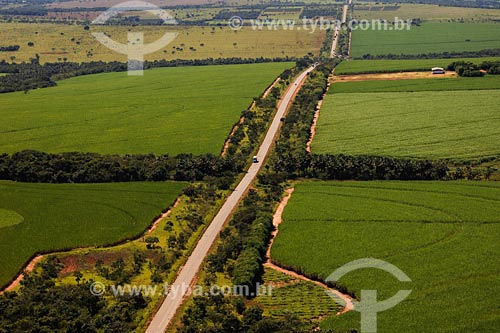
x=426 y=124
x=430 y=37
x=44 y=217
x=388 y=66
x=57 y=42
x=287 y=290
x=424 y=12
x=168 y=110
x=434 y=84
x=443 y=235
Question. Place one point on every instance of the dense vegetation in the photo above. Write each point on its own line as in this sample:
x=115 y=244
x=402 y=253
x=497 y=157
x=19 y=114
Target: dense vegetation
x=359 y=167
x=469 y=69
x=38 y=167
x=442 y=234
x=226 y=14
x=10 y=48
x=433 y=55
x=318 y=11
x=43 y=306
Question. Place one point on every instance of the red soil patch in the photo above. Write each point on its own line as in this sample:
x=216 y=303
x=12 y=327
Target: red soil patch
x=268 y=90
x=29 y=268
x=315 y=120
x=277 y=219
x=80 y=262
x=391 y=76
x=235 y=127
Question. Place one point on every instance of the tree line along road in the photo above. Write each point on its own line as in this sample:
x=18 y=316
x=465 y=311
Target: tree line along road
x=188 y=272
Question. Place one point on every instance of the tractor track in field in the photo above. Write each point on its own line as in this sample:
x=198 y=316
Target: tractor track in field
x=277 y=219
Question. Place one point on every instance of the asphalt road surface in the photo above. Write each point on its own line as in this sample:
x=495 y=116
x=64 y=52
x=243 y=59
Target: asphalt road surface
x=333 y=51
x=179 y=289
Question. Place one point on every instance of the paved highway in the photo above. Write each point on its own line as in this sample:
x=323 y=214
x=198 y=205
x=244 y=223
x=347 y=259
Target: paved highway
x=188 y=272
x=333 y=51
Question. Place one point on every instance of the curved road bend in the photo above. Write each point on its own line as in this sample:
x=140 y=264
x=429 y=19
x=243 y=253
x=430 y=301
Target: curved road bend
x=188 y=272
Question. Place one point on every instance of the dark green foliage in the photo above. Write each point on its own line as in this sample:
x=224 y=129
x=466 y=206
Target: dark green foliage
x=41 y=306
x=322 y=11
x=468 y=69
x=9 y=48
x=226 y=14
x=344 y=167
x=464 y=54
x=34 y=166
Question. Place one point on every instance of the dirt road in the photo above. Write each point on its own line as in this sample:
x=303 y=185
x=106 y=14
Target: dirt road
x=393 y=76
x=187 y=274
x=28 y=269
x=277 y=219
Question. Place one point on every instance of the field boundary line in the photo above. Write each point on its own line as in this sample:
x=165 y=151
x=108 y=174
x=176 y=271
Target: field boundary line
x=316 y=117
x=163 y=216
x=28 y=268
x=277 y=220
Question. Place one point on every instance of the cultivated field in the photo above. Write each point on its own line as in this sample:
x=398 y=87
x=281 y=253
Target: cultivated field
x=433 y=84
x=288 y=290
x=423 y=12
x=443 y=235
x=387 y=66
x=59 y=42
x=425 y=124
x=44 y=217
x=430 y=37
x=168 y=110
